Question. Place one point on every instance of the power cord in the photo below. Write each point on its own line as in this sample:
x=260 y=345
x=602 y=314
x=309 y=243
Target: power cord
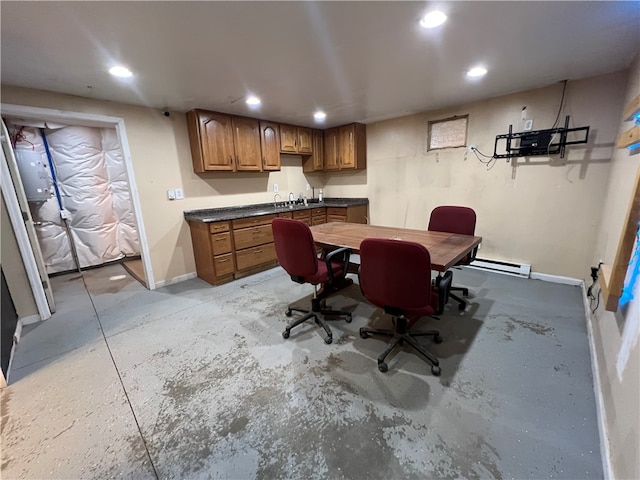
x=590 y=294
x=491 y=159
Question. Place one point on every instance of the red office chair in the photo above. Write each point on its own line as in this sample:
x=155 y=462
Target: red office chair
x=296 y=253
x=396 y=275
x=460 y=220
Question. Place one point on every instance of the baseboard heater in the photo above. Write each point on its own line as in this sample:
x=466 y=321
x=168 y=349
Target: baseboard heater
x=520 y=270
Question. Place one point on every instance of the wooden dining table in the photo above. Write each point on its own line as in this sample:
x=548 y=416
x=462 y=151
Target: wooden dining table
x=445 y=249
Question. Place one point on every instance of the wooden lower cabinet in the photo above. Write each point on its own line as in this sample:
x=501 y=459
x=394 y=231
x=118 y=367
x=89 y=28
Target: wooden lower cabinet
x=318 y=216
x=233 y=249
x=213 y=251
x=253 y=240
x=356 y=214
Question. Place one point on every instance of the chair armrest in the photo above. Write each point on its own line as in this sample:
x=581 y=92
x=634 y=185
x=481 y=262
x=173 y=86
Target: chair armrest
x=339 y=255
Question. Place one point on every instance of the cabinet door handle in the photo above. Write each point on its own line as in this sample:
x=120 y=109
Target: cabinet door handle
x=258 y=250
x=223 y=261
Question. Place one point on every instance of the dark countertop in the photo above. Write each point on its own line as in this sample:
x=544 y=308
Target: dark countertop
x=208 y=215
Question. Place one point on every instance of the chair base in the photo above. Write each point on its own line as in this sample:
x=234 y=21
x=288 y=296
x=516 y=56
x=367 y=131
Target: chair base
x=400 y=336
x=462 y=303
x=318 y=311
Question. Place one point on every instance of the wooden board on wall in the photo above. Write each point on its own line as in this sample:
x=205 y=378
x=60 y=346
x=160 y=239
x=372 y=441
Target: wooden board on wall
x=612 y=281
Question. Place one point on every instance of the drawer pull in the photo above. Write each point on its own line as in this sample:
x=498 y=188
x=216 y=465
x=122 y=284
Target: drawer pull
x=220 y=239
x=223 y=261
x=258 y=250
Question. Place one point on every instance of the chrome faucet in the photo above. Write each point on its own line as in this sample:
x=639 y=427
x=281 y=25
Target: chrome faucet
x=275 y=199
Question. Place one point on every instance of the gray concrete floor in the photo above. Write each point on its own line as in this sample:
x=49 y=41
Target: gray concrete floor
x=195 y=381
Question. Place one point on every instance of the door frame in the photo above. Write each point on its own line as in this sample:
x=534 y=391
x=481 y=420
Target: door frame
x=15 y=112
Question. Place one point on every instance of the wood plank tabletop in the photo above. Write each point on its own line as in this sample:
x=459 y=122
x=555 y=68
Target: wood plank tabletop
x=446 y=249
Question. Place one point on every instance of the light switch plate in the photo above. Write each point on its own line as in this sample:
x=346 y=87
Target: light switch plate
x=179 y=194
x=171 y=194
x=275 y=188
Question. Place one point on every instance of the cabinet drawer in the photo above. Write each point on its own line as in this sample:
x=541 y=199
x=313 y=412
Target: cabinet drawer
x=217 y=227
x=337 y=211
x=253 y=221
x=285 y=215
x=251 y=257
x=221 y=243
x=301 y=214
x=318 y=211
x=318 y=220
x=336 y=218
x=223 y=264
x=250 y=237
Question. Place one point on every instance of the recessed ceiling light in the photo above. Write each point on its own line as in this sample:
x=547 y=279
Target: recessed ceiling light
x=477 y=72
x=433 y=19
x=253 y=100
x=120 y=71
x=319 y=116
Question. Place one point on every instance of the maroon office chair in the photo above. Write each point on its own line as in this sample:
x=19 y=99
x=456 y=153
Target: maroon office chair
x=296 y=253
x=395 y=275
x=460 y=220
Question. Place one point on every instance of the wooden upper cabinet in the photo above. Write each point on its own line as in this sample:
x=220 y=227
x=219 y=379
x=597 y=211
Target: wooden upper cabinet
x=288 y=136
x=295 y=139
x=305 y=140
x=270 y=142
x=315 y=162
x=246 y=139
x=352 y=154
x=211 y=140
x=331 y=150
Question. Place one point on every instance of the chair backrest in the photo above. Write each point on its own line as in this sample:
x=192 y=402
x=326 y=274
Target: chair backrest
x=453 y=219
x=295 y=248
x=396 y=274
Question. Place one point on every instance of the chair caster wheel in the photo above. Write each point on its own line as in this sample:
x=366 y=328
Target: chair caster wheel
x=288 y=313
x=363 y=334
x=349 y=318
x=285 y=334
x=328 y=340
x=461 y=307
x=383 y=367
x=436 y=370
x=438 y=339
x=465 y=292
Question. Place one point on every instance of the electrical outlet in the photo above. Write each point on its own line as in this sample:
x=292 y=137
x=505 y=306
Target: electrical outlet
x=179 y=194
x=275 y=188
x=528 y=125
x=171 y=194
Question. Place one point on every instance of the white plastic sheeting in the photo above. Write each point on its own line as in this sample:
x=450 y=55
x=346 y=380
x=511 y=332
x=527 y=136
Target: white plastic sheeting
x=93 y=185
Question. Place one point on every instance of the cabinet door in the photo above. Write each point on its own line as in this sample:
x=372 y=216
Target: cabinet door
x=304 y=142
x=216 y=140
x=318 y=150
x=331 y=149
x=315 y=162
x=288 y=137
x=346 y=152
x=270 y=143
x=246 y=138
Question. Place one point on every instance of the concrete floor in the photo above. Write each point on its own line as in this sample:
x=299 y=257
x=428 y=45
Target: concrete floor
x=194 y=381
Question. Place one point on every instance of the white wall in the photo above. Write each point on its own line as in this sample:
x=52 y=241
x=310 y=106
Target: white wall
x=544 y=211
x=616 y=334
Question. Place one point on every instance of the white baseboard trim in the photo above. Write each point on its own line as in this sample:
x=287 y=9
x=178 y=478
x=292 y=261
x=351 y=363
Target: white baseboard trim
x=178 y=279
x=557 y=279
x=30 y=320
x=605 y=451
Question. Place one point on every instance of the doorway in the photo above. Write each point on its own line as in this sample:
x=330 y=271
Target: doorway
x=125 y=239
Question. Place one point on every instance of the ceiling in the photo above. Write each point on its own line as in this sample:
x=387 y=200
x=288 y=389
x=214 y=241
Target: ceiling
x=357 y=61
